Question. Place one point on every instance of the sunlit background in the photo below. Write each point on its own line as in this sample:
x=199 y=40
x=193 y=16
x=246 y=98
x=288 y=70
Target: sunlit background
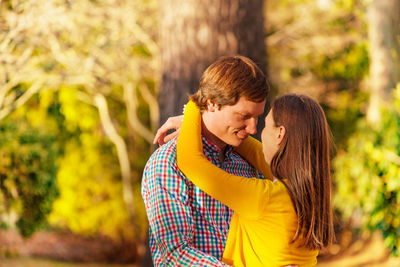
x=84 y=85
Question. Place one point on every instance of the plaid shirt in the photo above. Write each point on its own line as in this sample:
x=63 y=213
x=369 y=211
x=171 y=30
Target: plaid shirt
x=187 y=226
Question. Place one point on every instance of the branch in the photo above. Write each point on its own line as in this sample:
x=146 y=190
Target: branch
x=12 y=105
x=392 y=157
x=134 y=121
x=118 y=141
x=145 y=38
x=153 y=106
x=4 y=89
x=86 y=98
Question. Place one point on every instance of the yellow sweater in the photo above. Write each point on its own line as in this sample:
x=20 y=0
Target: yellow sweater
x=264 y=220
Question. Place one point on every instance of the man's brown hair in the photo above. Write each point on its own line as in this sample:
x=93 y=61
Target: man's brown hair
x=303 y=159
x=228 y=79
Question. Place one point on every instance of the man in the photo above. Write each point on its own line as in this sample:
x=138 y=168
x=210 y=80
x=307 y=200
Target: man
x=188 y=227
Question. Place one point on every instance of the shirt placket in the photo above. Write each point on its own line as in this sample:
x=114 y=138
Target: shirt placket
x=224 y=214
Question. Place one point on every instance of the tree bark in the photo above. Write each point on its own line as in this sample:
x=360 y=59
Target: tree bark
x=384 y=53
x=195 y=33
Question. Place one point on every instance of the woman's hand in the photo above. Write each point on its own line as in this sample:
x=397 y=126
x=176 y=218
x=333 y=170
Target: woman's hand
x=172 y=123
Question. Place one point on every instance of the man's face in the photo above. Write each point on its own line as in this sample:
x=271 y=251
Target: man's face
x=233 y=124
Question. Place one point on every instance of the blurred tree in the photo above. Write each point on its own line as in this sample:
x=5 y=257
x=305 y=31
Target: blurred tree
x=89 y=178
x=28 y=167
x=24 y=68
x=27 y=176
x=113 y=69
x=384 y=53
x=367 y=175
x=367 y=165
x=195 y=33
x=115 y=61
x=327 y=60
x=106 y=52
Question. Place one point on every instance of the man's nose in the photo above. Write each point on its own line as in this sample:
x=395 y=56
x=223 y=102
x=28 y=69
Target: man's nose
x=251 y=127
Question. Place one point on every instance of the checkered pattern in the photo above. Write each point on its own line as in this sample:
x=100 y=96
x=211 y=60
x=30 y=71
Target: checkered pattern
x=187 y=226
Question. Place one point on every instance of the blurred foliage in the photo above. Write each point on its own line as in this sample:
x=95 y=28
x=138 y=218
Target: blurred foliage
x=90 y=199
x=27 y=174
x=51 y=72
x=345 y=71
x=348 y=65
x=327 y=60
x=367 y=175
x=320 y=48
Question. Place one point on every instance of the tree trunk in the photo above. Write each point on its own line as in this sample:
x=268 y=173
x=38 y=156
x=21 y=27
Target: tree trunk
x=195 y=33
x=384 y=32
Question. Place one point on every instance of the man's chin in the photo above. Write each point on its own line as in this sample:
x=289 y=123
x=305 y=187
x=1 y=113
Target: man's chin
x=238 y=141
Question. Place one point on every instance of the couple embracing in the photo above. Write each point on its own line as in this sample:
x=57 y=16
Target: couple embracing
x=215 y=196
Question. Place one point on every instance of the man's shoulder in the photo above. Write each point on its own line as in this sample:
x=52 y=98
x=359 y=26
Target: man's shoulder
x=161 y=171
x=165 y=154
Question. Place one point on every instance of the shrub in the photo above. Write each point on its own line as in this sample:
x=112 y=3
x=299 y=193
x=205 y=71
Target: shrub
x=367 y=175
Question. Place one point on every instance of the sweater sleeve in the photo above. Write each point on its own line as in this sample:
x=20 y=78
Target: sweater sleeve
x=245 y=196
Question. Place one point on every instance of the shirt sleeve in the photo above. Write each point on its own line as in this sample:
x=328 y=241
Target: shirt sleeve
x=246 y=196
x=170 y=221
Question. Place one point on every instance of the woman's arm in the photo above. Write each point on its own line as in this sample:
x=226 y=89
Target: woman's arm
x=246 y=196
x=252 y=150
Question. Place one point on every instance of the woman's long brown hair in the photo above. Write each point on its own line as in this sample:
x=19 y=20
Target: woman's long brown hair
x=303 y=158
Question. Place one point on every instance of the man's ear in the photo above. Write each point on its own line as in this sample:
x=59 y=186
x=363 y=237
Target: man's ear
x=281 y=134
x=211 y=106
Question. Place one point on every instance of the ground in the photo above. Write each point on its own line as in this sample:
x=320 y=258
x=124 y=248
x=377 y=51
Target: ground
x=368 y=251
x=64 y=247
x=68 y=250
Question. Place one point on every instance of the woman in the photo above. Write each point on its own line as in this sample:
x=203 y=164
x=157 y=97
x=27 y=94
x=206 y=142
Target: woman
x=276 y=222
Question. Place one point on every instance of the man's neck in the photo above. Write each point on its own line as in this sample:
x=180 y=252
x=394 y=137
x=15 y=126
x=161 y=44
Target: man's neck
x=210 y=136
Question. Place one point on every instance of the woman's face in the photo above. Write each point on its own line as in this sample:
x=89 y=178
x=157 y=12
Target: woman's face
x=271 y=137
